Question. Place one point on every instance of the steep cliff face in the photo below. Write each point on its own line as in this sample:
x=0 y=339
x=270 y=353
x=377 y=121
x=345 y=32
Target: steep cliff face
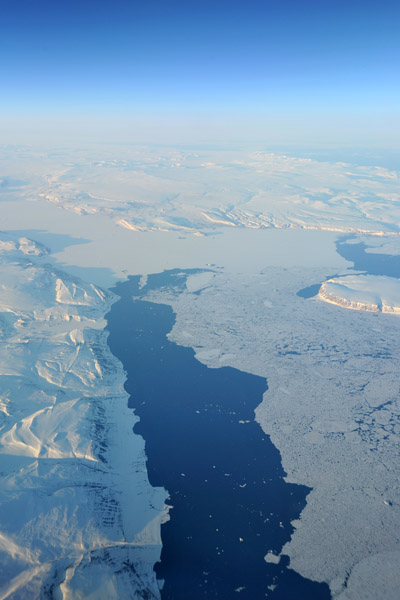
x=363 y=292
x=76 y=509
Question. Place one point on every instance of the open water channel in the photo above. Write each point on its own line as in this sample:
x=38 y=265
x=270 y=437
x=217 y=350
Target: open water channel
x=231 y=504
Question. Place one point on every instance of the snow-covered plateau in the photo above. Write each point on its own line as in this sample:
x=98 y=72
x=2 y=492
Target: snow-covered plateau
x=145 y=188
x=70 y=463
x=363 y=292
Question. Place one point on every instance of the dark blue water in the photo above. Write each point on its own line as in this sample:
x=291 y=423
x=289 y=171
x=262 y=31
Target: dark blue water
x=310 y=291
x=373 y=264
x=368 y=262
x=224 y=477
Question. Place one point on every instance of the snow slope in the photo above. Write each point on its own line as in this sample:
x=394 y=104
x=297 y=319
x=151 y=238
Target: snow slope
x=78 y=518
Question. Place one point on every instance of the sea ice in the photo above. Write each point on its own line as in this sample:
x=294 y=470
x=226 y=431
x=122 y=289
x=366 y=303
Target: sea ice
x=331 y=408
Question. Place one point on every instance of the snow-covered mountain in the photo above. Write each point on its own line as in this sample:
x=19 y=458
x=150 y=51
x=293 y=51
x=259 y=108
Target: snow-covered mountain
x=78 y=518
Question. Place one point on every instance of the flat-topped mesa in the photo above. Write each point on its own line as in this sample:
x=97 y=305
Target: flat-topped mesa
x=363 y=292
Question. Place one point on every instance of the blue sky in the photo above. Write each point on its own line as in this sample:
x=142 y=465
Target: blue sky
x=325 y=61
